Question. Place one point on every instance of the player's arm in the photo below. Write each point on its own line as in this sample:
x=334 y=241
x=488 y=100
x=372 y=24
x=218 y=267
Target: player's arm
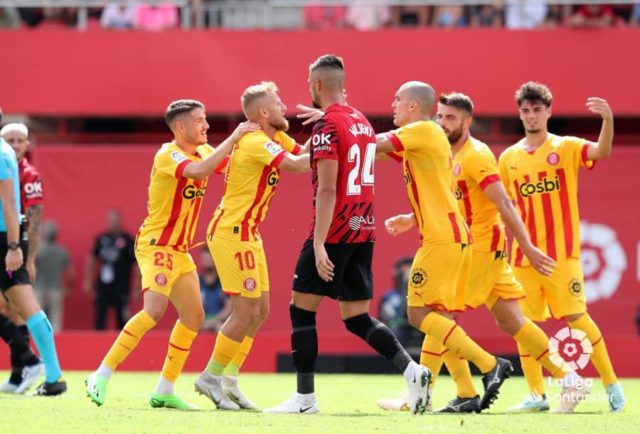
x=496 y=193
x=202 y=169
x=325 y=206
x=399 y=224
x=602 y=149
x=14 y=258
x=295 y=163
x=34 y=218
x=384 y=145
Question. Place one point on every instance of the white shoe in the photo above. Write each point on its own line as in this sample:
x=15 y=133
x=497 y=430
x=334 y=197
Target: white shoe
x=211 y=387
x=233 y=392
x=30 y=375
x=296 y=405
x=418 y=384
x=571 y=396
x=8 y=387
x=394 y=404
x=531 y=404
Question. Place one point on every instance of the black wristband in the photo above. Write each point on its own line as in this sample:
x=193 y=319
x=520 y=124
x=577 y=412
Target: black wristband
x=13 y=246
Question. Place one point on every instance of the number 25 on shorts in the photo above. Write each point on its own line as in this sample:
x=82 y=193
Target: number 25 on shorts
x=162 y=260
x=245 y=260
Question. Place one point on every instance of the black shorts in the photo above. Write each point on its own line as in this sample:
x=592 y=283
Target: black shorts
x=18 y=277
x=353 y=279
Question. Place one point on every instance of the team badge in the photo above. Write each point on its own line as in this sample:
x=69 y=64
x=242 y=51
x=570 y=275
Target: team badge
x=575 y=287
x=418 y=277
x=249 y=284
x=161 y=279
x=457 y=170
x=553 y=158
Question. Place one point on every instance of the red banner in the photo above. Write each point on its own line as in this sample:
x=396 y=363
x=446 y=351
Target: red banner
x=137 y=73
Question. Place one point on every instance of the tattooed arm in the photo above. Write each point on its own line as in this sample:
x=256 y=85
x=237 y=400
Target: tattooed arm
x=34 y=217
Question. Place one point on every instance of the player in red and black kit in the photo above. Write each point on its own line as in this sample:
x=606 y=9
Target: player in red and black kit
x=336 y=259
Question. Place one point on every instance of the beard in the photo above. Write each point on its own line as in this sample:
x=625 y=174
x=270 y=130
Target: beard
x=532 y=130
x=280 y=124
x=454 y=135
x=315 y=104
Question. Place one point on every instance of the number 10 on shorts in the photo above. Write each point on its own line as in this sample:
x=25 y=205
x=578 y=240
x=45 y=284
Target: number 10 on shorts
x=246 y=261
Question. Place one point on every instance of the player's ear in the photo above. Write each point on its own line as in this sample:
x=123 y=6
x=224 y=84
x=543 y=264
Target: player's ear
x=467 y=121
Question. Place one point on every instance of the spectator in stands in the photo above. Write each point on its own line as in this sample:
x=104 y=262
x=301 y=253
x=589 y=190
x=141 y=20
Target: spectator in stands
x=57 y=17
x=557 y=16
x=154 y=17
x=323 y=17
x=393 y=305
x=450 y=16
x=217 y=305
x=635 y=16
x=118 y=16
x=410 y=16
x=55 y=275
x=525 y=14
x=113 y=253
x=362 y=15
x=487 y=15
x=592 y=16
x=10 y=18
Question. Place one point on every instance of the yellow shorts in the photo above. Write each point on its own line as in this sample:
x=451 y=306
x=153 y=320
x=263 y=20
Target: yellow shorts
x=439 y=276
x=491 y=279
x=242 y=266
x=562 y=292
x=161 y=266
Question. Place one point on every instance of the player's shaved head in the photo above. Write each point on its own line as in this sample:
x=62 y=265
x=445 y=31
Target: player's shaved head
x=421 y=93
x=253 y=95
x=180 y=107
x=328 y=69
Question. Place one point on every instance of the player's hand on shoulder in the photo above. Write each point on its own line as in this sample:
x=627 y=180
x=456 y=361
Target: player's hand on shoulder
x=600 y=106
x=310 y=114
x=540 y=262
x=323 y=263
x=244 y=128
x=399 y=224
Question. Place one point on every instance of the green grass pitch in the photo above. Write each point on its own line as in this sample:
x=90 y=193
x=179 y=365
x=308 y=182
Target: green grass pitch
x=347 y=405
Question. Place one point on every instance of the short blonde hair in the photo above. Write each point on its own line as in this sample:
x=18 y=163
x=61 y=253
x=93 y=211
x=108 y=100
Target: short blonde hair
x=255 y=92
x=14 y=127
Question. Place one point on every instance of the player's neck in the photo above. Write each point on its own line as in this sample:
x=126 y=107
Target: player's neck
x=269 y=130
x=455 y=147
x=534 y=140
x=331 y=99
x=188 y=148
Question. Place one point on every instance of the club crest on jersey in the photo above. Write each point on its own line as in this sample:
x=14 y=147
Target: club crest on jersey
x=249 y=284
x=418 y=278
x=273 y=148
x=161 y=279
x=457 y=170
x=178 y=157
x=575 y=287
x=553 y=158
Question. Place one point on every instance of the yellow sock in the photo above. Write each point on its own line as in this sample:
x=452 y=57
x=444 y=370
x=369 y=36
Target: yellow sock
x=128 y=338
x=532 y=371
x=454 y=338
x=461 y=375
x=179 y=347
x=536 y=343
x=600 y=356
x=233 y=368
x=431 y=356
x=223 y=351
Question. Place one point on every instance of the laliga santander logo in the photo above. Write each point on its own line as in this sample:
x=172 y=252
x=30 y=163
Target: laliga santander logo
x=570 y=349
x=603 y=260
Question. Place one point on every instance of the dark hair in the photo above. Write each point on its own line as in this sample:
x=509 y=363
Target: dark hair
x=327 y=61
x=534 y=92
x=181 y=106
x=457 y=100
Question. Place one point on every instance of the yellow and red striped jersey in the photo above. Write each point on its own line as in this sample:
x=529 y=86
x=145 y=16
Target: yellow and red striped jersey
x=474 y=168
x=174 y=201
x=426 y=163
x=251 y=179
x=544 y=187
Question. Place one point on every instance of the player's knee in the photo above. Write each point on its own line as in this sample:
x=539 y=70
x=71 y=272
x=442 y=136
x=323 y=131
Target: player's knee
x=263 y=314
x=156 y=311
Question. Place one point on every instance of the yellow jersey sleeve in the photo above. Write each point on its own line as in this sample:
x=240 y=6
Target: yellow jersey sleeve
x=502 y=166
x=414 y=137
x=287 y=142
x=577 y=148
x=171 y=162
x=482 y=167
x=265 y=151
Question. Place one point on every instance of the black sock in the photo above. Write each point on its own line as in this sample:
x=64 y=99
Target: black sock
x=25 y=332
x=380 y=338
x=21 y=354
x=304 y=346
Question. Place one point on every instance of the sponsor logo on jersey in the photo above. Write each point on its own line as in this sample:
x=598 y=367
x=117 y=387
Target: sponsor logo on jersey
x=192 y=192
x=273 y=148
x=545 y=185
x=321 y=142
x=178 y=157
x=418 y=278
x=553 y=158
x=33 y=188
x=459 y=194
x=272 y=178
x=358 y=222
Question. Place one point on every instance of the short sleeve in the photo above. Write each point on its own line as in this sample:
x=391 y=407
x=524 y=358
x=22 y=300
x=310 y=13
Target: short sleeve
x=325 y=139
x=577 y=149
x=287 y=143
x=502 y=167
x=171 y=163
x=483 y=168
x=266 y=152
x=32 y=190
x=413 y=137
